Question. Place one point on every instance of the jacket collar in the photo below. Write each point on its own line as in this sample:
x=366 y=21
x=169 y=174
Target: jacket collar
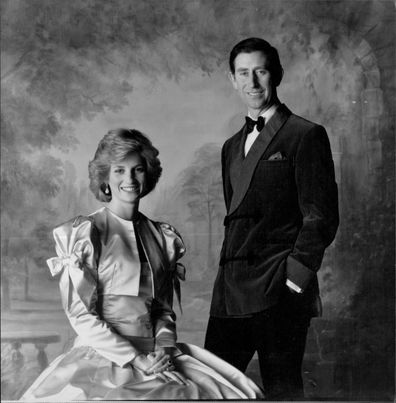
x=242 y=168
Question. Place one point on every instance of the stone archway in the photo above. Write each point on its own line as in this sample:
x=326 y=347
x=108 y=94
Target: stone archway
x=330 y=360
x=357 y=152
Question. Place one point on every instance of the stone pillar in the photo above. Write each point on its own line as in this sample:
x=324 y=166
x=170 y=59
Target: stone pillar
x=372 y=102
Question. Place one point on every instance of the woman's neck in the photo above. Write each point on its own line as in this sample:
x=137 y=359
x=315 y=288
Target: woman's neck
x=127 y=211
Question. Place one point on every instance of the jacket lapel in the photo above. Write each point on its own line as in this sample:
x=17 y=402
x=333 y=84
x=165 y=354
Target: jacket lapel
x=151 y=241
x=237 y=158
x=242 y=169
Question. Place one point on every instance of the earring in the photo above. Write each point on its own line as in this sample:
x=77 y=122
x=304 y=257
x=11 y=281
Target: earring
x=106 y=190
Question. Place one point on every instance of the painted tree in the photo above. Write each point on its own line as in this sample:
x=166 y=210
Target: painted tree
x=63 y=62
x=201 y=190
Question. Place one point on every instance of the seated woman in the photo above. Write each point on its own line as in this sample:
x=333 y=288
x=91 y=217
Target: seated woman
x=117 y=271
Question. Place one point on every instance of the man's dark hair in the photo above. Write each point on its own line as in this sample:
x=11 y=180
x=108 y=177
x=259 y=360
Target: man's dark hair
x=259 y=45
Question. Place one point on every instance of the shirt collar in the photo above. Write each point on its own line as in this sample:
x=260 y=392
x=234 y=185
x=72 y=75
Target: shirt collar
x=267 y=114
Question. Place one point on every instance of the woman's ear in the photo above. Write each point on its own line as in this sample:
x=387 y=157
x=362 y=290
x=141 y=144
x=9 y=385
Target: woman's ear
x=105 y=188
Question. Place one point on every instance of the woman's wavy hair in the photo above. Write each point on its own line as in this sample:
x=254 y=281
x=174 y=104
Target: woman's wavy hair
x=113 y=148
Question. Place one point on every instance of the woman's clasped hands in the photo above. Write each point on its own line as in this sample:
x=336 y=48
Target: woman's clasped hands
x=160 y=364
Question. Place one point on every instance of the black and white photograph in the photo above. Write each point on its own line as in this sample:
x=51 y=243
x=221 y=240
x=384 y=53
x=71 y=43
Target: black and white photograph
x=198 y=200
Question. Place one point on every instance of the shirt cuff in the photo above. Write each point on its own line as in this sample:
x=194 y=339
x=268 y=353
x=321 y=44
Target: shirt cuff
x=293 y=286
x=298 y=273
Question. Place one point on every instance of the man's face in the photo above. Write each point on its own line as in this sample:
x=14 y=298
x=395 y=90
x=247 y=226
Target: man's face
x=253 y=82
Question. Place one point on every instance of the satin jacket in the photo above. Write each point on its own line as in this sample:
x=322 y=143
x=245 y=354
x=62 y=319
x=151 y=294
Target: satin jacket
x=97 y=256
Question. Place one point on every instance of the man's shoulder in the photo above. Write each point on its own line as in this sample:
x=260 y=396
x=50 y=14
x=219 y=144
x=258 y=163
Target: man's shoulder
x=233 y=139
x=302 y=129
x=302 y=123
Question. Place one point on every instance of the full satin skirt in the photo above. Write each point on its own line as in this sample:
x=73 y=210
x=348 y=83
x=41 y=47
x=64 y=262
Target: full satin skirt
x=83 y=374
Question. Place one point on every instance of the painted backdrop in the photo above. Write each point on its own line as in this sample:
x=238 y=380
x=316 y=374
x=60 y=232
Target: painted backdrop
x=72 y=70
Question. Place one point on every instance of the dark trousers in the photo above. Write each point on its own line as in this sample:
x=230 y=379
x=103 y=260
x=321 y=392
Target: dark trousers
x=277 y=334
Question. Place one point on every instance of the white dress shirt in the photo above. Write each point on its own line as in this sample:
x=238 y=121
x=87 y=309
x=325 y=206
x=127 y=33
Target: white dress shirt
x=252 y=136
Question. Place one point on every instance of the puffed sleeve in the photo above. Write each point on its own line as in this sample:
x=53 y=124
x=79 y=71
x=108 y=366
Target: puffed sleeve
x=165 y=326
x=77 y=247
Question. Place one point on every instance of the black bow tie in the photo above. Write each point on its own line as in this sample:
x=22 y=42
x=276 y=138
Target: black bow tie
x=250 y=123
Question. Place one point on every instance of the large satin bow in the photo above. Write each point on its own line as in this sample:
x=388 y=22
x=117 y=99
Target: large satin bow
x=57 y=264
x=75 y=262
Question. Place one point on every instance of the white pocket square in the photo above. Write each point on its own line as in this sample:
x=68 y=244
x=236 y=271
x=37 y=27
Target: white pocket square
x=277 y=156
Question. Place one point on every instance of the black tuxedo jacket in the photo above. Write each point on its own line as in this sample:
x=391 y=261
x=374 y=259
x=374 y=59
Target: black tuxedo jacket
x=281 y=215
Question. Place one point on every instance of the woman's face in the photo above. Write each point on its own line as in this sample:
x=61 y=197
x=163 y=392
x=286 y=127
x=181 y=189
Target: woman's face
x=127 y=180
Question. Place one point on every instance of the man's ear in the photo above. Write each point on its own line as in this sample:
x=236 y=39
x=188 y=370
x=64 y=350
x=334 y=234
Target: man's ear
x=231 y=77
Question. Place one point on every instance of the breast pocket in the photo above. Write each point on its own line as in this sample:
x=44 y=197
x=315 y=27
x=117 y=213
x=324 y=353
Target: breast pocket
x=276 y=175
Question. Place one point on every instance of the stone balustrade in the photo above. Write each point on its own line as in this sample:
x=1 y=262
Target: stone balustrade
x=39 y=339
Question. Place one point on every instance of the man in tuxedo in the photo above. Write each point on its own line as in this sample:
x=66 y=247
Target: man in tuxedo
x=282 y=213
